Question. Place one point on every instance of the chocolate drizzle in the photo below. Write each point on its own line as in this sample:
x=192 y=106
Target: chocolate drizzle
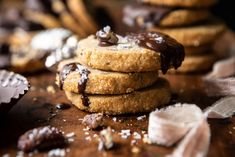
x=84 y=72
x=150 y=15
x=106 y=37
x=171 y=52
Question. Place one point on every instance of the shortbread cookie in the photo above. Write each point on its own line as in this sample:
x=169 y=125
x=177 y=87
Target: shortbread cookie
x=198 y=63
x=195 y=50
x=138 y=101
x=77 y=78
x=181 y=3
x=194 y=35
x=147 y=16
x=133 y=53
x=30 y=54
x=12 y=87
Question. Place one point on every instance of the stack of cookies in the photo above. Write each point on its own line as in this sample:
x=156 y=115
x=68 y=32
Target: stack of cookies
x=189 y=22
x=115 y=74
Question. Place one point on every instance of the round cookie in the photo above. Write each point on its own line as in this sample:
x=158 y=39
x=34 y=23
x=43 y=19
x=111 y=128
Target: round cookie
x=181 y=3
x=144 y=100
x=101 y=82
x=195 y=50
x=29 y=51
x=147 y=16
x=133 y=53
x=194 y=35
x=198 y=63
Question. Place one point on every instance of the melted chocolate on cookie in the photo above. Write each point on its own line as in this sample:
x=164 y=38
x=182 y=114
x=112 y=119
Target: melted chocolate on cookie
x=171 y=52
x=84 y=72
x=151 y=15
x=106 y=37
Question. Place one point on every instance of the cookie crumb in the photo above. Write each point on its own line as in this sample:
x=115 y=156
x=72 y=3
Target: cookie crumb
x=141 y=117
x=135 y=150
x=51 y=89
x=56 y=152
x=125 y=133
x=106 y=139
x=93 y=121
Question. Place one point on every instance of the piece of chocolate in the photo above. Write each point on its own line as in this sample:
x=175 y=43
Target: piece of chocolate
x=171 y=52
x=106 y=37
x=41 y=138
x=93 y=121
x=149 y=15
x=12 y=87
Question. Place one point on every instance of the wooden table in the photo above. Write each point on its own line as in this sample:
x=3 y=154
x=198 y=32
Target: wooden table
x=37 y=108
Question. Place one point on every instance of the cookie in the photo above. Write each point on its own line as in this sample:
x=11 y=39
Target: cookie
x=74 y=77
x=147 y=16
x=144 y=100
x=30 y=53
x=195 y=50
x=198 y=63
x=194 y=35
x=181 y=3
x=80 y=12
x=133 y=53
x=12 y=87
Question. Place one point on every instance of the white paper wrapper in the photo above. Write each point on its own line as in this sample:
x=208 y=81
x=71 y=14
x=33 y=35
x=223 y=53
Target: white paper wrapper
x=169 y=125
x=223 y=108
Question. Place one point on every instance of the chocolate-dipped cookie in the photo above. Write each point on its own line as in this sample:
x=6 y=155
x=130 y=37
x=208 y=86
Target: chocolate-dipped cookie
x=31 y=54
x=132 y=53
x=144 y=100
x=195 y=35
x=146 y=16
x=77 y=78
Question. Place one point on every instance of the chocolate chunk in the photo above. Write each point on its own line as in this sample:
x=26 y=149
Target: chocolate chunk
x=172 y=52
x=41 y=138
x=149 y=15
x=12 y=87
x=106 y=140
x=84 y=72
x=62 y=106
x=93 y=121
x=106 y=37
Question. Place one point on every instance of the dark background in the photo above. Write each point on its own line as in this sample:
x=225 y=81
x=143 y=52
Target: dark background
x=225 y=9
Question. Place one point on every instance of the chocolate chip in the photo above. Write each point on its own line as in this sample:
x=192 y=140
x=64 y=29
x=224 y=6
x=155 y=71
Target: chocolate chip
x=106 y=37
x=41 y=138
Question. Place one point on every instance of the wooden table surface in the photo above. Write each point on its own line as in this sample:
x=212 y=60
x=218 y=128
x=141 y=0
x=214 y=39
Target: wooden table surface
x=37 y=108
